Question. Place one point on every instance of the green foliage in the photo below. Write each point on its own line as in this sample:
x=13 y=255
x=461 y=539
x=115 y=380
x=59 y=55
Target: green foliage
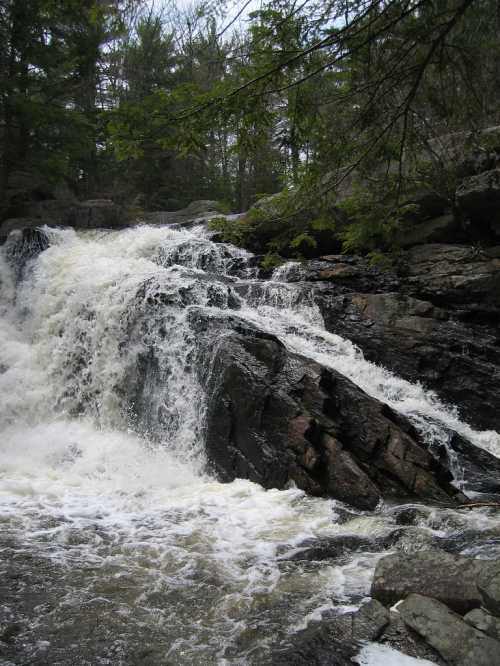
x=276 y=228
x=166 y=106
x=270 y=261
x=224 y=207
x=235 y=231
x=373 y=224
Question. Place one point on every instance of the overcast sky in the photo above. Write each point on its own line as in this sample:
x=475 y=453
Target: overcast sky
x=233 y=7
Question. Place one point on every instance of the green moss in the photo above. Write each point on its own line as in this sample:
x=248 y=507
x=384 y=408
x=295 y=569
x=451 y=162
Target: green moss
x=271 y=261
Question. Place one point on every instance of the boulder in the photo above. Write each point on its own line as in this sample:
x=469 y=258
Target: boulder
x=481 y=468
x=452 y=579
x=489 y=587
x=480 y=619
x=330 y=548
x=274 y=418
x=22 y=245
x=194 y=213
x=347 y=272
x=334 y=641
x=478 y=197
x=456 y=641
x=454 y=276
x=429 y=205
x=399 y=636
x=92 y=214
x=97 y=214
x=442 y=229
x=18 y=224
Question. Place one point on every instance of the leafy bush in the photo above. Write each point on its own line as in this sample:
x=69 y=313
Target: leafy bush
x=280 y=227
x=374 y=225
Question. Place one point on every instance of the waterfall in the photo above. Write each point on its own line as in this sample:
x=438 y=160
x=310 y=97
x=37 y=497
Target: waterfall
x=105 y=500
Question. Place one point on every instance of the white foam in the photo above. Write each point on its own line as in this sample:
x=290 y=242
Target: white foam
x=84 y=485
x=374 y=654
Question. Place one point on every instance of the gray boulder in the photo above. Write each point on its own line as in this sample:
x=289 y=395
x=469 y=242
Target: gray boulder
x=399 y=636
x=452 y=579
x=489 y=587
x=196 y=211
x=485 y=622
x=97 y=214
x=456 y=641
x=92 y=214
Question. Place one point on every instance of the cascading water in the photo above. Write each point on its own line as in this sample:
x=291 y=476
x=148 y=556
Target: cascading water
x=117 y=547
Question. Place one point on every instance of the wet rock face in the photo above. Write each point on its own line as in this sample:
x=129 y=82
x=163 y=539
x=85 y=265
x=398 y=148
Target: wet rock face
x=463 y=278
x=196 y=212
x=274 y=417
x=24 y=245
x=454 y=639
x=482 y=620
x=478 y=197
x=489 y=588
x=452 y=579
x=438 y=324
x=481 y=468
x=337 y=640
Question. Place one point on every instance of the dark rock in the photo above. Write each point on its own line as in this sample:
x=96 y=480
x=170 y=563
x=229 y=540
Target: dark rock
x=489 y=587
x=275 y=417
x=414 y=539
x=315 y=646
x=9 y=631
x=483 y=621
x=93 y=214
x=455 y=640
x=442 y=229
x=404 y=639
x=335 y=641
x=23 y=245
x=410 y=515
x=429 y=205
x=450 y=578
x=478 y=197
x=97 y=214
x=439 y=327
x=18 y=224
x=347 y=273
x=453 y=276
x=369 y=621
x=338 y=546
x=481 y=468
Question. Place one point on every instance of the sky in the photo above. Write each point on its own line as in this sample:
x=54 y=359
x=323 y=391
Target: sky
x=234 y=6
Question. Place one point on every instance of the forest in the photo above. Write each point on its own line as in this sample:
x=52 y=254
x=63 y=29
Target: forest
x=343 y=108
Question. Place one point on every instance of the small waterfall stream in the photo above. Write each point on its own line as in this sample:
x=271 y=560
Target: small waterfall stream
x=116 y=545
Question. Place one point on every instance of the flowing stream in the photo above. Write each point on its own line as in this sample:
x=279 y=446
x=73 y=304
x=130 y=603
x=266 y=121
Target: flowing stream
x=116 y=546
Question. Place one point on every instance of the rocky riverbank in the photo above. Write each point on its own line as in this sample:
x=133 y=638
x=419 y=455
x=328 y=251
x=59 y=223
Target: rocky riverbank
x=430 y=605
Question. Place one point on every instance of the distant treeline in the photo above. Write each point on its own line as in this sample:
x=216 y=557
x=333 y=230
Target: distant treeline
x=159 y=105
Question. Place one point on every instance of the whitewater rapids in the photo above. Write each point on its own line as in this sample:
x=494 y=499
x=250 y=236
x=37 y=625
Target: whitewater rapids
x=116 y=545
